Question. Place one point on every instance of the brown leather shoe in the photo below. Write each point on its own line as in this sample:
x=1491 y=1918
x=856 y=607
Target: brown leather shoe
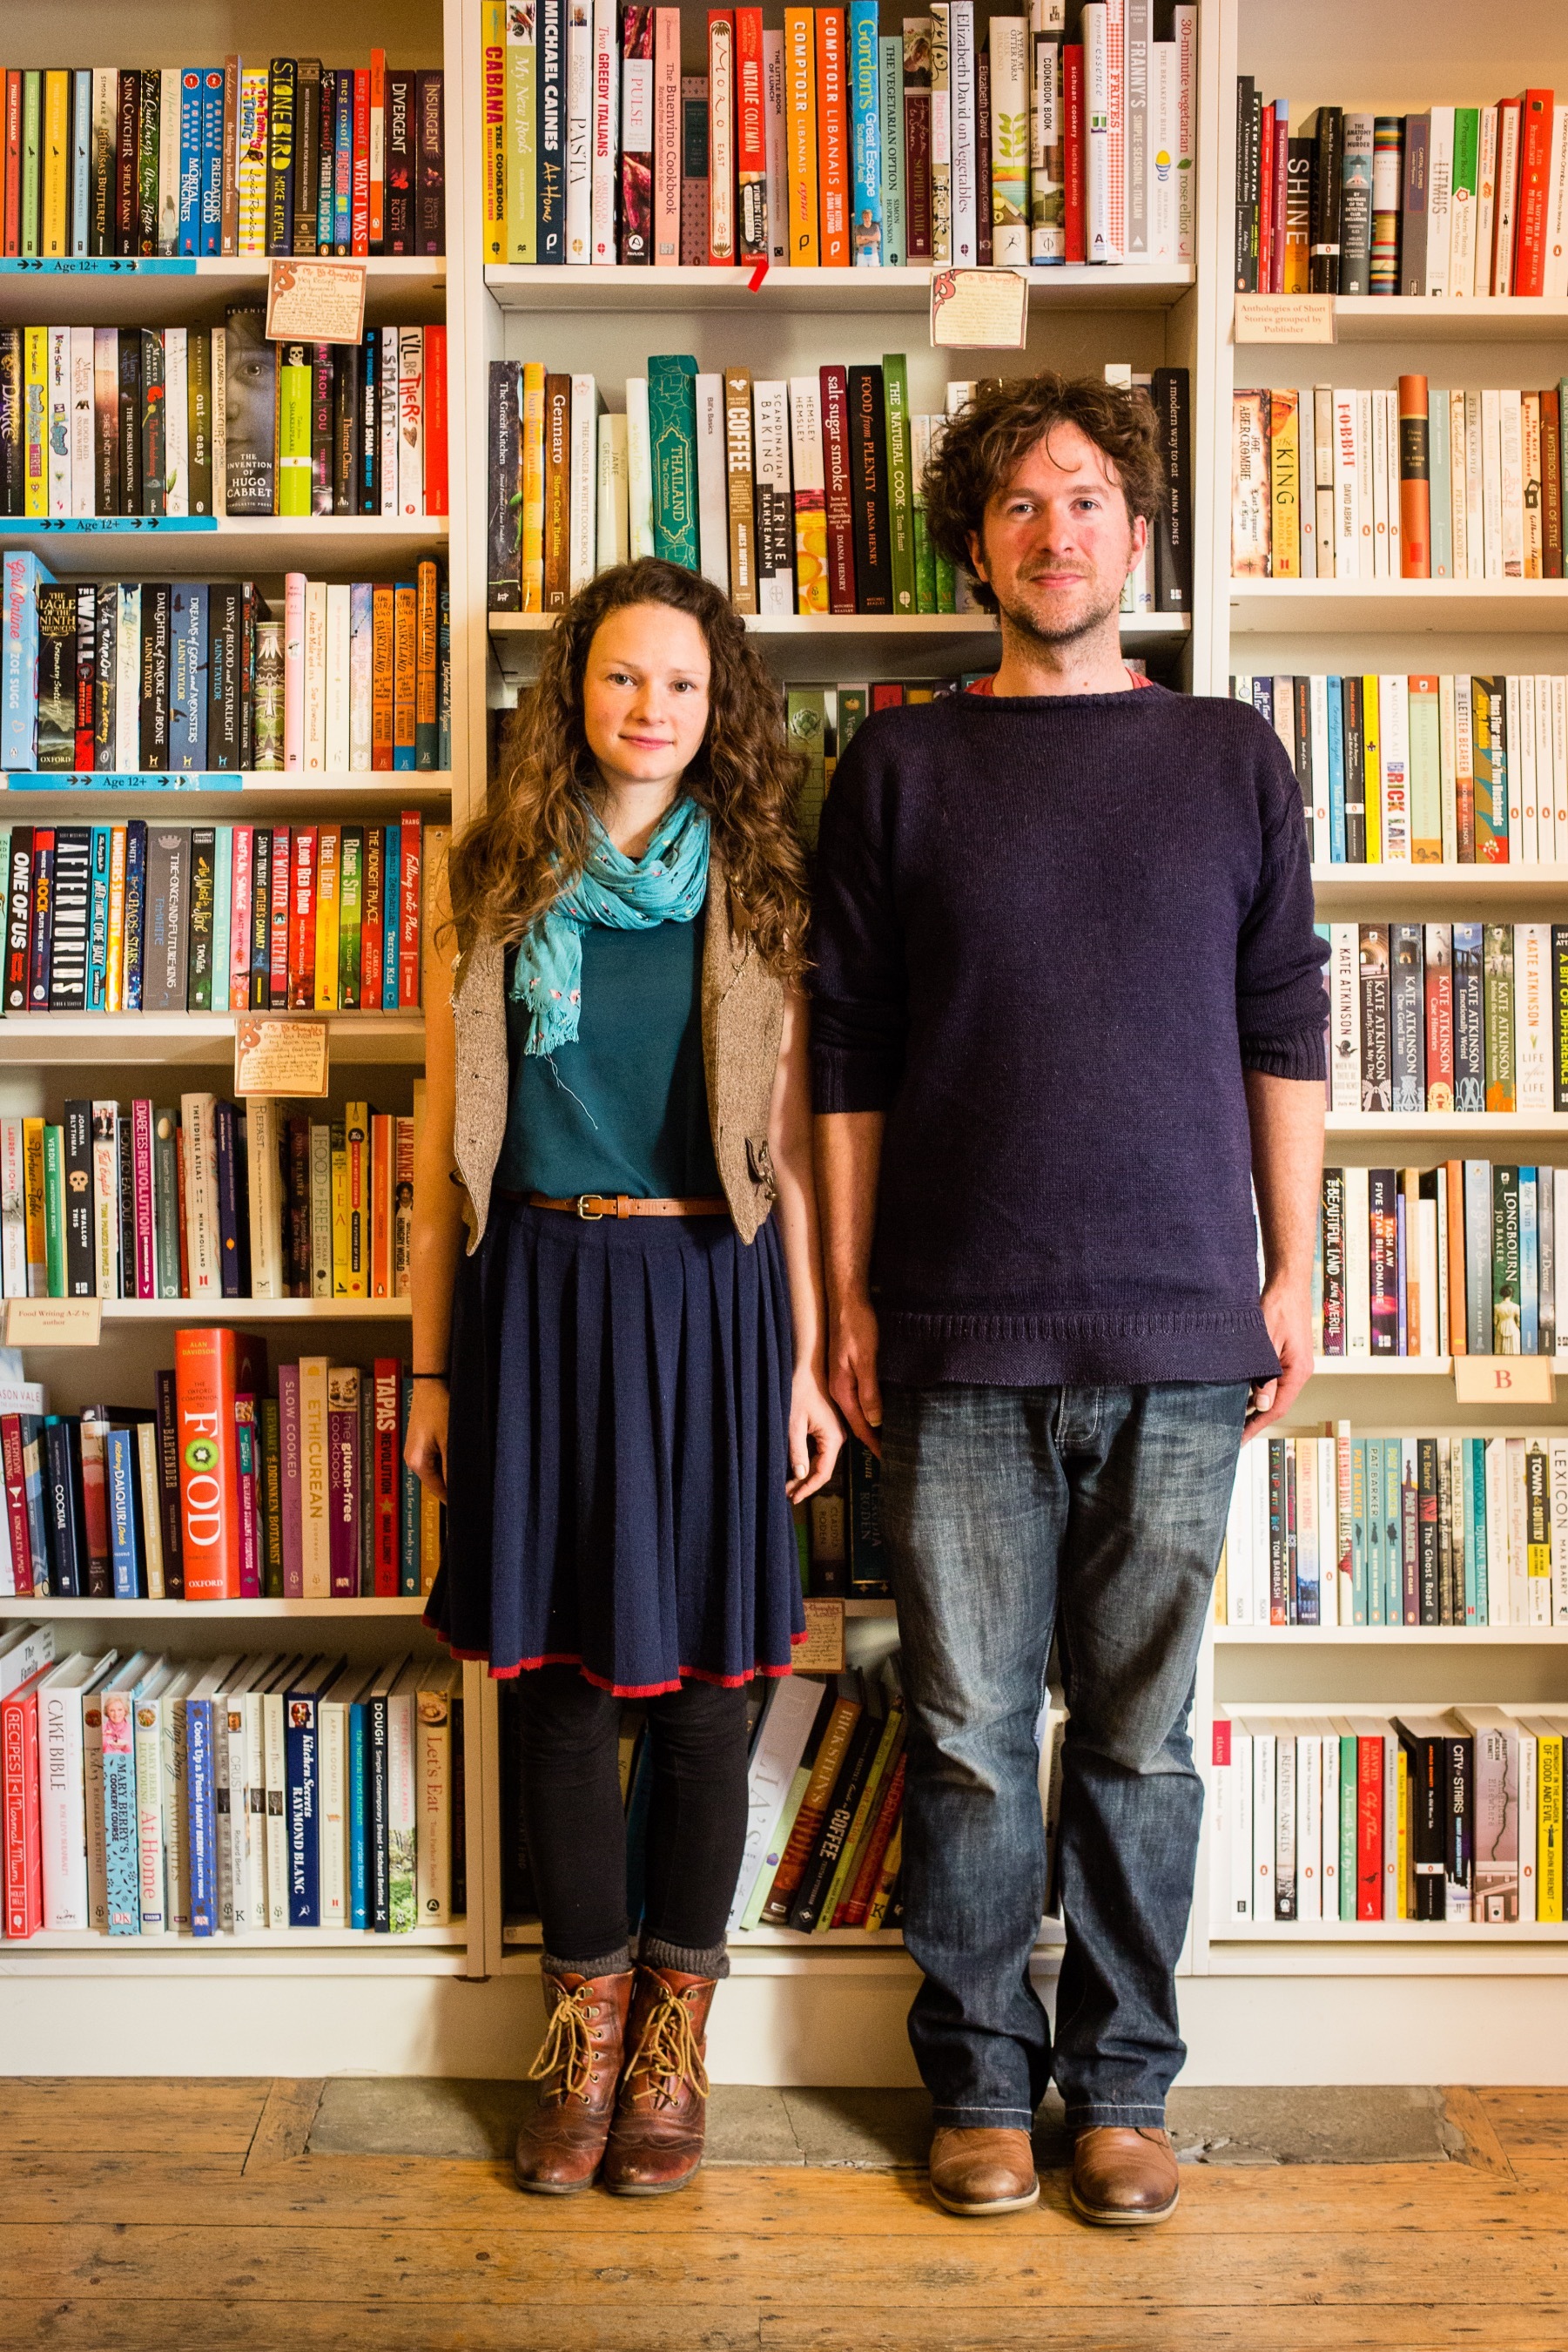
x=661 y=2116
x=560 y=2145
x=1124 y=2176
x=983 y=2170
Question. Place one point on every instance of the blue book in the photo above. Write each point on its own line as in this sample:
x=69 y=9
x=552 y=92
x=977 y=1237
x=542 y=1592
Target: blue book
x=122 y=1868
x=190 y=240
x=1529 y=1265
x=188 y=678
x=673 y=435
x=302 y=1783
x=408 y=1498
x=894 y=228
x=550 y=141
x=391 y=901
x=1438 y=462
x=211 y=240
x=342 y=177
x=1336 y=771
x=98 y=920
x=135 y=911
x=223 y=902
x=81 y=160
x=327 y=149
x=865 y=135
x=359 y=1873
x=121 y=1478
x=22 y=573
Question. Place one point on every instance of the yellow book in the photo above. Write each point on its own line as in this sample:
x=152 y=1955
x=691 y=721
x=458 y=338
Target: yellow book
x=1372 y=740
x=339 y=1208
x=1285 y=478
x=892 y=1861
x=429 y=1537
x=352 y=1279
x=1549 y=1822
x=1222 y=1590
x=114 y=970
x=54 y=224
x=493 y=36
x=1407 y=1907
x=800 y=134
x=522 y=194
x=35 y=396
x=533 y=486
x=327 y=919
x=33 y=1208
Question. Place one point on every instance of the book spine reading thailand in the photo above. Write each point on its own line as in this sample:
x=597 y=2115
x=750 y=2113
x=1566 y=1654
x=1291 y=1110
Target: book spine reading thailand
x=299 y=1495
x=798 y=495
x=246 y=157
x=243 y=1795
x=1454 y=204
x=833 y=144
x=1432 y=1530
x=1324 y=1820
x=183 y=424
x=1413 y=484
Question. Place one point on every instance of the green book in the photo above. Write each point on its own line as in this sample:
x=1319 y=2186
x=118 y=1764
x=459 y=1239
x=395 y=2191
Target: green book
x=944 y=582
x=293 y=465
x=32 y=161
x=1348 y=1819
x=271 y=1499
x=351 y=915
x=900 y=497
x=54 y=1209
x=854 y=703
x=1505 y=1266
x=1497 y=984
x=1476 y=1514
x=807 y=717
x=166 y=1202
x=924 y=565
x=673 y=441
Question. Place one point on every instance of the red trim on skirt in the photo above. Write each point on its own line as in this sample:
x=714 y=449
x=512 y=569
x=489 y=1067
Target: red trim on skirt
x=616 y=1690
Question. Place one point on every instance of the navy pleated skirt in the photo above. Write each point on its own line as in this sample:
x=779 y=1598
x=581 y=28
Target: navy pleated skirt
x=618 y=1452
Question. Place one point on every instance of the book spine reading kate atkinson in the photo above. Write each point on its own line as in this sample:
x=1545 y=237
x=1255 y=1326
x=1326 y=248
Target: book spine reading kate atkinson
x=257 y=157
x=824 y=159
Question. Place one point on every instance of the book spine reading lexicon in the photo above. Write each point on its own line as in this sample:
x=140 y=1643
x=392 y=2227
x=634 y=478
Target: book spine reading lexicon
x=800 y=495
x=243 y=1795
x=146 y=917
x=1458 y=203
x=1413 y=484
x=1349 y=1530
x=1319 y=1821
x=191 y=679
x=190 y=422
x=220 y=1492
x=249 y=157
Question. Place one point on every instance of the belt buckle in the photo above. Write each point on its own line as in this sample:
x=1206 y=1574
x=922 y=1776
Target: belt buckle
x=590 y=1216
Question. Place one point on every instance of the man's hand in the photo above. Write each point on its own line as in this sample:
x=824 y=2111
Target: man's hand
x=852 y=1367
x=1288 y=1313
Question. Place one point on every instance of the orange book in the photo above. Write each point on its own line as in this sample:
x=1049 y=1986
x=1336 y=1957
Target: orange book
x=211 y=1367
x=1532 y=232
x=381 y=675
x=801 y=136
x=405 y=671
x=327 y=841
x=1414 y=483
x=833 y=139
x=381 y=1146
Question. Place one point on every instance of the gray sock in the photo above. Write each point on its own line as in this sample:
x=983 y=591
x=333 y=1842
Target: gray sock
x=683 y=1958
x=613 y=1964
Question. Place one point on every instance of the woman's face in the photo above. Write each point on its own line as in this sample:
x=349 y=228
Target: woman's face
x=646 y=696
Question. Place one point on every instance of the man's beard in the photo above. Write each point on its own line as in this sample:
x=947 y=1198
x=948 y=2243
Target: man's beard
x=1020 y=618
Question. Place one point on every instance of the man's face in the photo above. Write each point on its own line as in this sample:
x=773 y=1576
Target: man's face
x=1058 y=542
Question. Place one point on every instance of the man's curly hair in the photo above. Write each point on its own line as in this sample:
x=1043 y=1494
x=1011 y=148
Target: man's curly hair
x=981 y=448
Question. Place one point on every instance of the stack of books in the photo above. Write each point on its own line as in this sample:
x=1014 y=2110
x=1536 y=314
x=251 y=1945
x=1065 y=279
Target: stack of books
x=1458 y=1260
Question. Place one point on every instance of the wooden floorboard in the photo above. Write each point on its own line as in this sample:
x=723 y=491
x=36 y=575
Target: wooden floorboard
x=172 y=2214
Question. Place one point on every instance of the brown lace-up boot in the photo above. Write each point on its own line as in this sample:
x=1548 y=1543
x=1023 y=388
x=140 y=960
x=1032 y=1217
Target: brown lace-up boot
x=656 y=2143
x=559 y=2145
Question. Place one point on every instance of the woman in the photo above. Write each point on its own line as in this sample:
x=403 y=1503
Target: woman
x=617 y=1107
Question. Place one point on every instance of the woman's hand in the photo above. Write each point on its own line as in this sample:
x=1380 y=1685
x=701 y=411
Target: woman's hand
x=426 y=1449
x=815 y=1435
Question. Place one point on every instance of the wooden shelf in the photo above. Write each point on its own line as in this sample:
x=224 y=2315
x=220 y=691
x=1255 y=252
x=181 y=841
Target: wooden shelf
x=859 y=293
x=1383 y=1367
x=254 y=793
x=1269 y=606
x=325 y=1612
x=61 y=1040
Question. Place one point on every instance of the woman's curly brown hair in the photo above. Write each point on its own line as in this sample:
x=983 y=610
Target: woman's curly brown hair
x=981 y=448
x=513 y=862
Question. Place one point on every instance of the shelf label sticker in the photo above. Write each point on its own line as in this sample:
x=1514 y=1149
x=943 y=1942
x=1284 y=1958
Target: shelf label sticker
x=53 y=1322
x=979 y=309
x=281 y=1057
x=316 y=303
x=121 y=525
x=822 y=1651
x=1505 y=1380
x=1285 y=319
x=104 y=266
x=47 y=780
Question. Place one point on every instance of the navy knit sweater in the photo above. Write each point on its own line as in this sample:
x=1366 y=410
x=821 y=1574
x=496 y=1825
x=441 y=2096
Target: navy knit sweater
x=1051 y=934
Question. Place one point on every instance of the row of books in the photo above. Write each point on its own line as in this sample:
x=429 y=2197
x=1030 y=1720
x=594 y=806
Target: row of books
x=1451 y=204
x=187 y=421
x=1416 y=483
x=800 y=495
x=1422 y=1531
x=287 y=157
x=157 y=1796
x=219 y=1491
x=190 y=677
x=1438 y=1017
x=1461 y=1259
x=221 y=1200
x=140 y=918
x=1450 y=1818
x=1432 y=769
x=829 y=144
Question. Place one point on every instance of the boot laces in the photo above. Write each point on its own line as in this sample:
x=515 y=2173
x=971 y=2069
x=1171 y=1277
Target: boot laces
x=667 y=2050
x=567 y=2045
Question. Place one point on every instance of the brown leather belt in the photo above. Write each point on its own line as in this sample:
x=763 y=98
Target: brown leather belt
x=592 y=1206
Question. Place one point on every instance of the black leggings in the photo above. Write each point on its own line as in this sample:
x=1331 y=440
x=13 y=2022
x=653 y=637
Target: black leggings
x=576 y=1825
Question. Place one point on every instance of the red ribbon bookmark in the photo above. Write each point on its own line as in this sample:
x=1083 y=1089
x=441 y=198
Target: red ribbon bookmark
x=754 y=283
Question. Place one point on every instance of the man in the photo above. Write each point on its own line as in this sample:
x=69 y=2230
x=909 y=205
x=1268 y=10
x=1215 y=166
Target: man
x=1069 y=1001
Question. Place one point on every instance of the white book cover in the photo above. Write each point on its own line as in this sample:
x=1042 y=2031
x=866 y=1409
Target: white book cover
x=13 y=1220
x=128 y=681
x=402 y=1803
x=1242 y=1782
x=1462 y=242
x=1475 y=490
x=1459 y=496
x=1506 y=200
x=1427 y=1265
x=1439 y=204
x=1491 y=480
x=1346 y=488
x=770 y=444
x=1557 y=720
x=361 y=708
x=1555 y=284
x=1309 y=1827
x=638 y=468
x=227 y=1750
x=1529 y=1818
x=721 y=131
x=62 y=1789
x=941 y=137
x=775 y=1752
x=1545 y=772
x=411 y=421
x=1265 y=1743
x=578 y=131
x=1101 y=243
x=1521 y=761
x=1136 y=135
x=1183 y=25
x=1328 y=1531
x=315 y=1557
x=1357 y=1275
x=1497 y=1530
x=605 y=131
x=176 y=422
x=314 y=673
x=1367 y=510
x=434 y=1726
x=584 y=482
x=23 y=1651
x=264 y=1164
x=962 y=81
x=251 y=1915
x=1164 y=175
x=1328 y=1746
x=1308 y=1561
x=1344 y=1028
x=613 y=521
x=713 y=496
x=1008 y=44
x=83 y=489
x=1516 y=1504
x=1447 y=771
x=1325 y=477
x=774 y=149
x=1318 y=725
x=1220 y=1823
x=337 y=750
x=1515 y=771
x=1381 y=400
x=1511 y=455
x=1391 y=460
x=1486 y=198
x=332 y=1795
x=1238 y=1551
x=203 y=1242
x=1256 y=1460
x=169 y=160
x=391 y=371
x=274 y=1764
x=146 y=1736
x=295 y=599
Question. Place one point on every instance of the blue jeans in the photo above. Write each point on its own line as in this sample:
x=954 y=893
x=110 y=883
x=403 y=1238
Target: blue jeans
x=1097 y=1514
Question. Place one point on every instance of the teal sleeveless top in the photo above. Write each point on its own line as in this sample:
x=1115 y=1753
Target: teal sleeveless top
x=623 y=1108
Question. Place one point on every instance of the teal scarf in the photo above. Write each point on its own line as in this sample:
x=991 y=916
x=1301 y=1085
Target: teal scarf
x=667 y=885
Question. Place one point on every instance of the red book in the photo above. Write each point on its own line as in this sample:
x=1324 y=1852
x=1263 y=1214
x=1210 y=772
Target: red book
x=834 y=173
x=378 y=167
x=1073 y=160
x=213 y=1368
x=838 y=493
x=385 y=1476
x=360 y=196
x=17 y=1503
x=13 y=164
x=85 y=674
x=19 y=919
x=1265 y=198
x=19 y=1809
x=411 y=826
x=1530 y=237
x=1369 y=1828
x=886 y=693
x=750 y=138
x=436 y=475
x=302 y=921
x=383 y=1145
x=372 y=891
x=278 y=931
x=1282 y=181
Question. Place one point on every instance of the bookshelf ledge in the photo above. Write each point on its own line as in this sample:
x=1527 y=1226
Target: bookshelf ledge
x=1488 y=319
x=254 y=1310
x=1513 y=1637
x=1402 y=880
x=316 y=1610
x=1401 y=1367
x=62 y=1039
x=1445 y=1122
x=1432 y=1932
x=1082 y=286
x=1411 y=604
